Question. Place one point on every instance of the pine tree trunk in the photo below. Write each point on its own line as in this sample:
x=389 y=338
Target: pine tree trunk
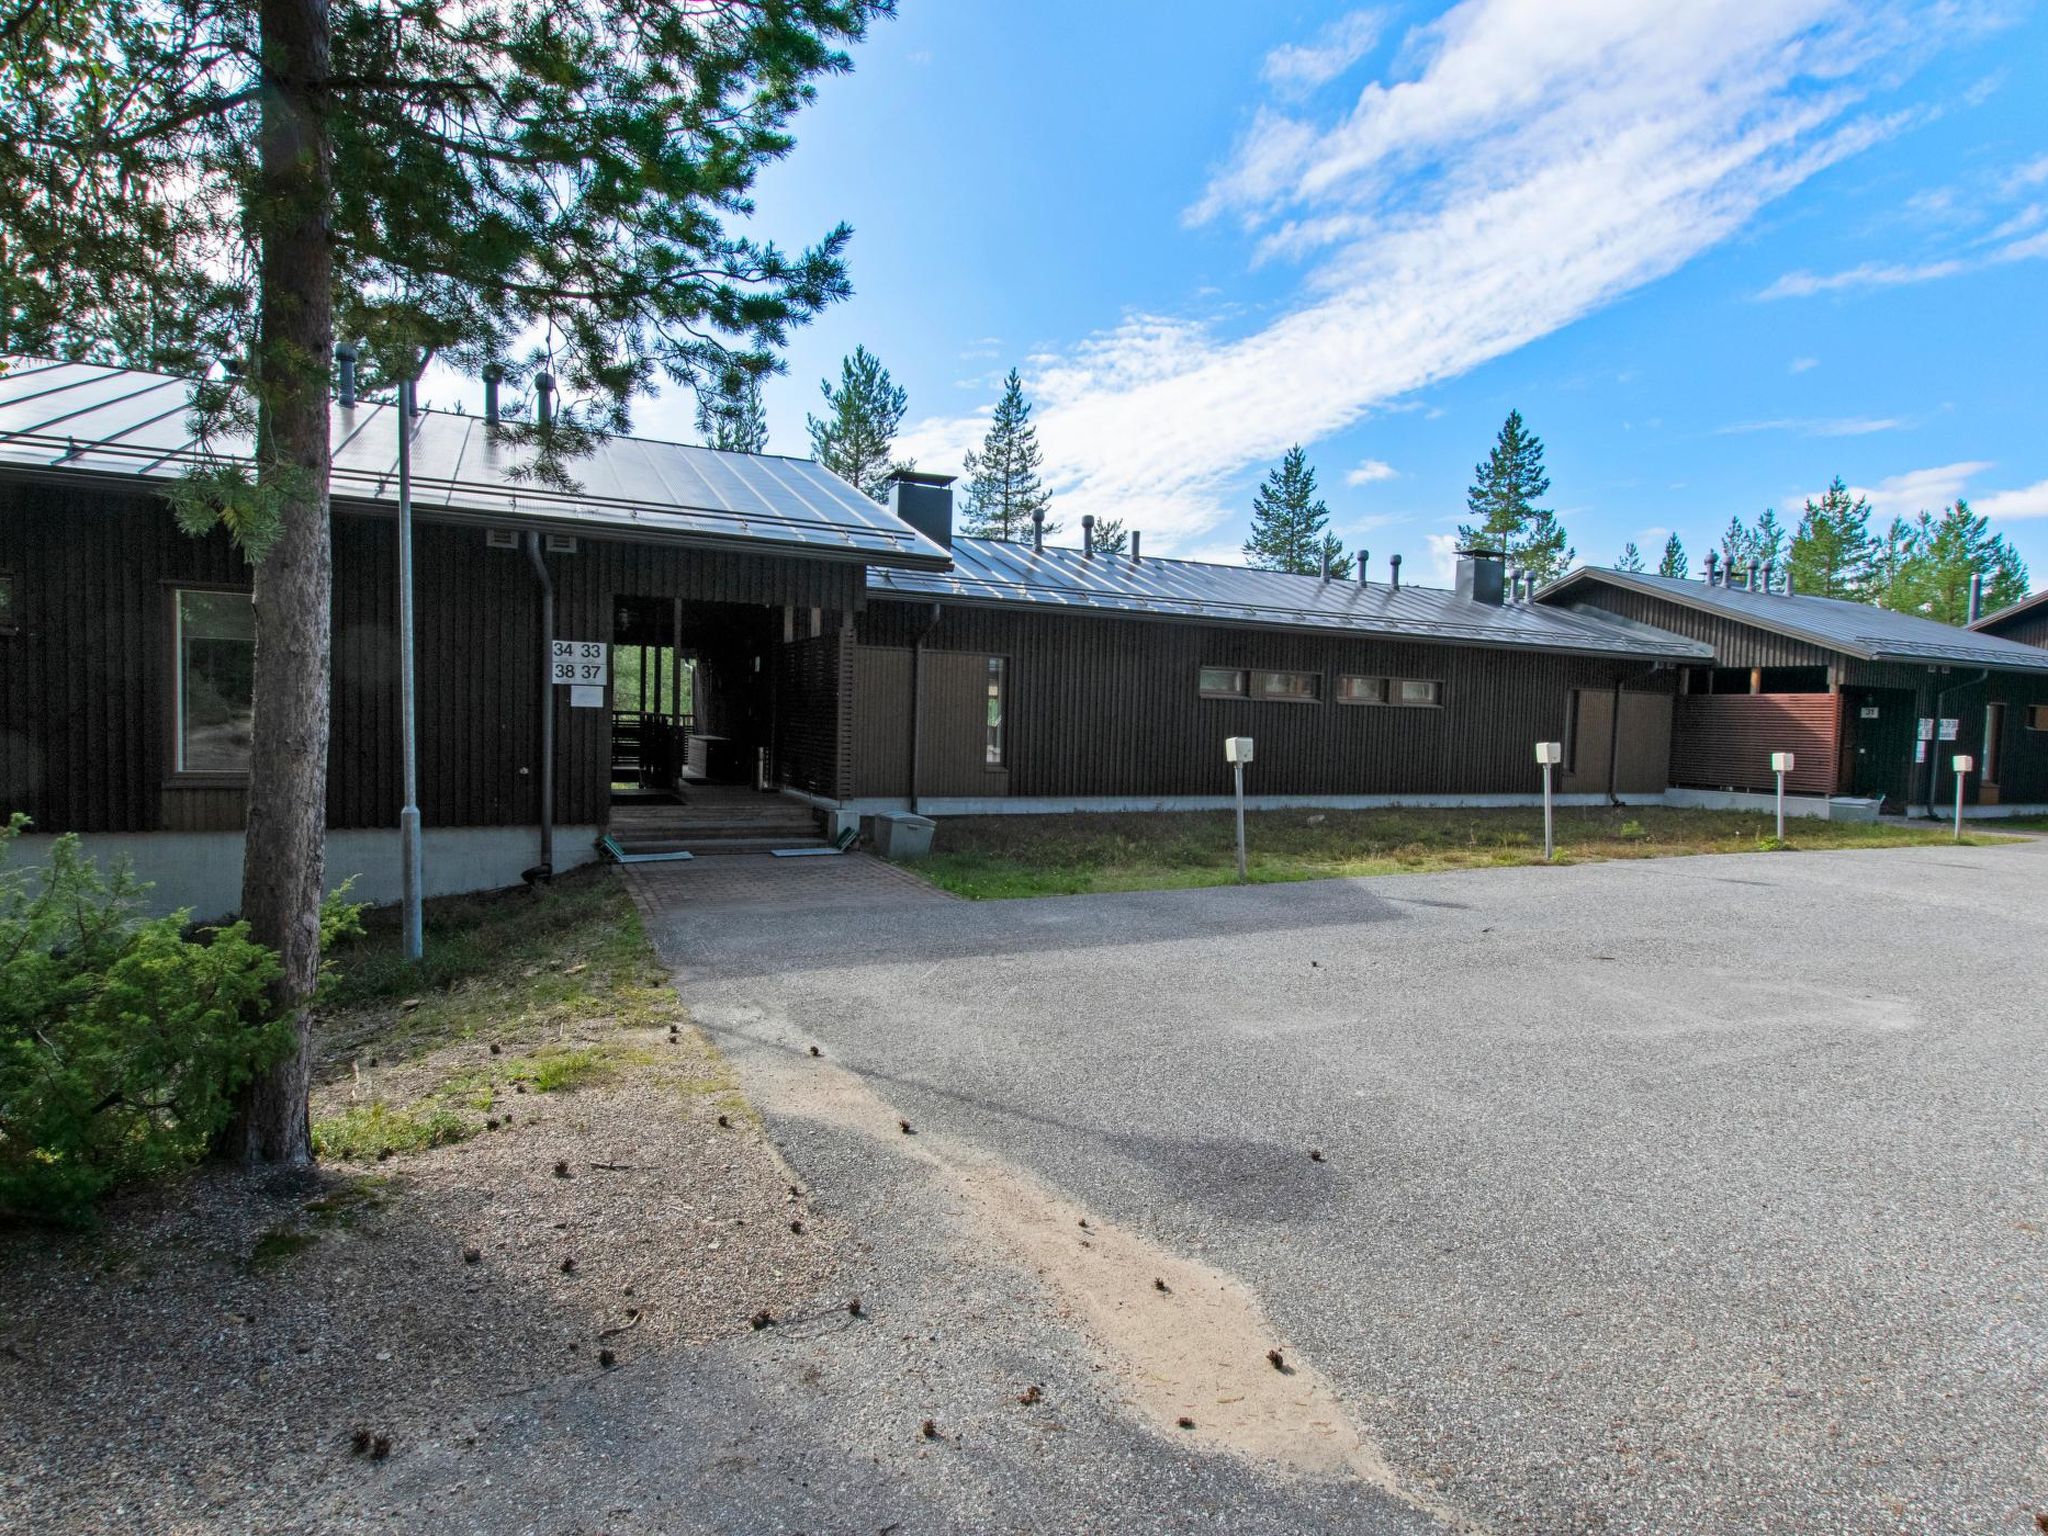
x=285 y=859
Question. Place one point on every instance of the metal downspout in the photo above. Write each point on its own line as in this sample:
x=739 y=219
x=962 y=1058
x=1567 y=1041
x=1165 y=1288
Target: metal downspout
x=545 y=869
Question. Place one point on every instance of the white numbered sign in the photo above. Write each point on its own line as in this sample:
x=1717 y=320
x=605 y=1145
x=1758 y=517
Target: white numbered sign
x=581 y=662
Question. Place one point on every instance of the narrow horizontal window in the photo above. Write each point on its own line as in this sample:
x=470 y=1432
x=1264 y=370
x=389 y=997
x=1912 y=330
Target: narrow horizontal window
x=1224 y=682
x=1417 y=691
x=1297 y=687
x=216 y=656
x=1361 y=690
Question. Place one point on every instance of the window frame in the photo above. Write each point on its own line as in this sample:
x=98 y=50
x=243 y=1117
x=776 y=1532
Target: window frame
x=1243 y=690
x=175 y=773
x=1434 y=701
x=1361 y=677
x=1259 y=674
x=2037 y=717
x=998 y=668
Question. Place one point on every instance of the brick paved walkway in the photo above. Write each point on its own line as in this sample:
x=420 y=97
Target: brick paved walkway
x=761 y=880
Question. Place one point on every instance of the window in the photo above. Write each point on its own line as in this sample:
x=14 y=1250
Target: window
x=1414 y=692
x=215 y=646
x=1361 y=690
x=1994 y=732
x=1294 y=687
x=2037 y=717
x=1224 y=682
x=997 y=677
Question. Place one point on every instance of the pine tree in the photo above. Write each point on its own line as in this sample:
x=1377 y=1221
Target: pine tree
x=1673 y=562
x=1631 y=558
x=1290 y=523
x=1768 y=541
x=1111 y=536
x=856 y=439
x=1738 y=545
x=1831 y=552
x=730 y=416
x=1503 y=498
x=1004 y=486
x=1892 y=563
x=499 y=184
x=1942 y=554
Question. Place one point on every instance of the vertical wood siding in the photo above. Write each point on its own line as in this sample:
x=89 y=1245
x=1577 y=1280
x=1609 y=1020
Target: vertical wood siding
x=86 y=682
x=1725 y=741
x=1105 y=706
x=1735 y=644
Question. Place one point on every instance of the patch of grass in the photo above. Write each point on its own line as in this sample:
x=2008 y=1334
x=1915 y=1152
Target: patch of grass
x=362 y=1132
x=510 y=965
x=996 y=857
x=278 y=1247
x=546 y=1069
x=2017 y=823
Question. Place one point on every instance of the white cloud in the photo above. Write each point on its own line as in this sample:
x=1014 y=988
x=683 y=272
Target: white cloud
x=1536 y=160
x=2028 y=501
x=1814 y=426
x=1871 y=274
x=1442 y=549
x=1802 y=364
x=1917 y=490
x=1371 y=472
x=1298 y=68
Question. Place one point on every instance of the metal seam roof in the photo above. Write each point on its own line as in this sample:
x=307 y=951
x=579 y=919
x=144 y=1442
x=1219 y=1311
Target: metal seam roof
x=1856 y=629
x=2012 y=610
x=992 y=573
x=112 y=428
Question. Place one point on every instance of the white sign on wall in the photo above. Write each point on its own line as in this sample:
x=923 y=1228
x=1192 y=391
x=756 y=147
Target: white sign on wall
x=1950 y=729
x=586 y=696
x=581 y=661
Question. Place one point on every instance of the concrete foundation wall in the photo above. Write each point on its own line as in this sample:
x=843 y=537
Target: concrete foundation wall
x=1023 y=805
x=203 y=870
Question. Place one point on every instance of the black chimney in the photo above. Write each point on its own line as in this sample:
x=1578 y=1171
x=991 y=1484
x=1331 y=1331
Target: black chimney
x=345 y=375
x=1976 y=596
x=1135 y=557
x=925 y=502
x=1479 y=575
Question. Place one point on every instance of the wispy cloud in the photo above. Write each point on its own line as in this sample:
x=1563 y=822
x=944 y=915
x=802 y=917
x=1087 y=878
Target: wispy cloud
x=2027 y=501
x=1917 y=490
x=1371 y=472
x=1533 y=161
x=1295 y=69
x=1818 y=426
x=1802 y=364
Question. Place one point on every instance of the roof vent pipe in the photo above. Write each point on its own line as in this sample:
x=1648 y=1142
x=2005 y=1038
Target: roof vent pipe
x=1038 y=530
x=345 y=375
x=1713 y=569
x=544 y=398
x=1135 y=556
x=1770 y=575
x=492 y=376
x=1749 y=578
x=1394 y=565
x=1326 y=560
x=1976 y=596
x=1088 y=535
x=1363 y=556
x=1788 y=581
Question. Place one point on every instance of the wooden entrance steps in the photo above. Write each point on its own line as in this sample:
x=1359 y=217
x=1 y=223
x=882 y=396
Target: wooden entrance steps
x=714 y=819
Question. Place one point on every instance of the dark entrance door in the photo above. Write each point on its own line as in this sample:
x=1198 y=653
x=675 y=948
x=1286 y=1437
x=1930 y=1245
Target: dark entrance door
x=1879 y=741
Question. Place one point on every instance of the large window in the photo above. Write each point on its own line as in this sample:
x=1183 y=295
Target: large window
x=998 y=680
x=1412 y=692
x=215 y=646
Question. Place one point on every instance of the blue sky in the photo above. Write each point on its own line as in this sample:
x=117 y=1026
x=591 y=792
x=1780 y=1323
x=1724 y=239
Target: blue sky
x=1715 y=253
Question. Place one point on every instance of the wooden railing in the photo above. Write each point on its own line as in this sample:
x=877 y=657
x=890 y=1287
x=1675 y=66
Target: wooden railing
x=647 y=748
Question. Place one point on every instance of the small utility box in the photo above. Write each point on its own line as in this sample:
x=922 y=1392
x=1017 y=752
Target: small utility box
x=1237 y=749
x=1549 y=753
x=1965 y=764
x=1781 y=762
x=902 y=835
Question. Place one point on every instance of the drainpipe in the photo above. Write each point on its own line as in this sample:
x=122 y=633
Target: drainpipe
x=410 y=883
x=1614 y=731
x=545 y=869
x=917 y=697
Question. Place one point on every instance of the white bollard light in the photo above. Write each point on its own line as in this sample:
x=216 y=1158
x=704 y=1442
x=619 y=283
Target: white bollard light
x=1549 y=754
x=1963 y=766
x=1781 y=764
x=1237 y=751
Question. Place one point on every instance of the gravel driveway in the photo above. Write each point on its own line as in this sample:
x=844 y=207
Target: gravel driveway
x=1701 y=1194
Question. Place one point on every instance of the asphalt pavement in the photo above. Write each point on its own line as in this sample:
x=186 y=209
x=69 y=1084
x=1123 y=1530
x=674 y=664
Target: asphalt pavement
x=1703 y=1194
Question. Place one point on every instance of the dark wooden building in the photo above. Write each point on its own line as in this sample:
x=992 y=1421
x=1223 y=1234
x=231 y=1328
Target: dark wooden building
x=2026 y=621
x=1872 y=703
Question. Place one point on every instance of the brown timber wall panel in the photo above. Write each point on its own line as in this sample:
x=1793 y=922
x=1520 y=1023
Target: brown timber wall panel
x=807 y=701
x=1726 y=740
x=1735 y=644
x=1643 y=766
x=1104 y=706
x=881 y=721
x=2028 y=629
x=954 y=687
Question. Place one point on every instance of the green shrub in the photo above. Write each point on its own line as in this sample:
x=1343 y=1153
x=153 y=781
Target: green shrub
x=123 y=1039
